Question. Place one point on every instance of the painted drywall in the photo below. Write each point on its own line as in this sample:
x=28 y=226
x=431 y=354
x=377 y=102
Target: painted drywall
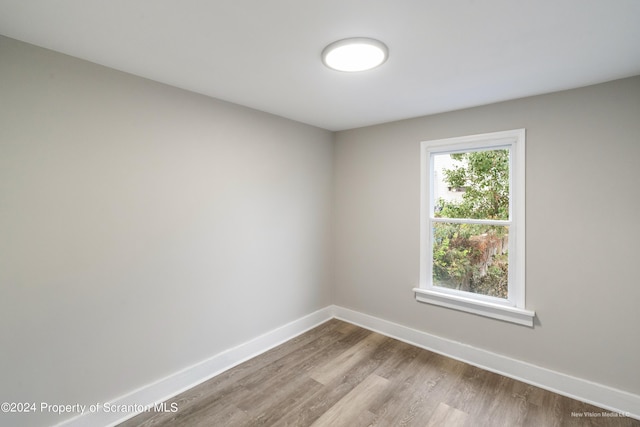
x=583 y=148
x=144 y=228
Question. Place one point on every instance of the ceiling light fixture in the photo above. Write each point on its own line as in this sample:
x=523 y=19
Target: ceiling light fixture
x=355 y=54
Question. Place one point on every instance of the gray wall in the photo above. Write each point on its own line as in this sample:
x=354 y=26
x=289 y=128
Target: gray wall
x=144 y=228
x=583 y=149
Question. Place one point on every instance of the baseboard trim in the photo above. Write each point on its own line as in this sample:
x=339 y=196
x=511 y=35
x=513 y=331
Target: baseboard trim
x=166 y=388
x=147 y=396
x=600 y=395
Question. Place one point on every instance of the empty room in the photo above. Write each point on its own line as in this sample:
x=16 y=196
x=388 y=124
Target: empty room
x=334 y=213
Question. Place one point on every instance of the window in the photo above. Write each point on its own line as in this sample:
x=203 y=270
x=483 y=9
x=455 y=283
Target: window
x=472 y=225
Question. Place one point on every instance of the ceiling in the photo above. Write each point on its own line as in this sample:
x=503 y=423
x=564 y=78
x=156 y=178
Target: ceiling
x=443 y=54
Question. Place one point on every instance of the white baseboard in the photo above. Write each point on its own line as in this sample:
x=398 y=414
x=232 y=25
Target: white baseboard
x=597 y=394
x=576 y=388
x=178 y=382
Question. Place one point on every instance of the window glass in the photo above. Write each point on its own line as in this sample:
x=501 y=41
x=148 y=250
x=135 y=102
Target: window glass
x=472 y=184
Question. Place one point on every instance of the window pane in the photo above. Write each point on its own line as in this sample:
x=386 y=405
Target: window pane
x=471 y=258
x=471 y=185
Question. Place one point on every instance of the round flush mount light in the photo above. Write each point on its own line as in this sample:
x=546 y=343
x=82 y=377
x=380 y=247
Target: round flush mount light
x=355 y=54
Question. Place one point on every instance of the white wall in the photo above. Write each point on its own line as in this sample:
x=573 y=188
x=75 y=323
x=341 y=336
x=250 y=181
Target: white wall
x=583 y=149
x=144 y=228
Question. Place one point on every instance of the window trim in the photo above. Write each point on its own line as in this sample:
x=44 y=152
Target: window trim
x=512 y=309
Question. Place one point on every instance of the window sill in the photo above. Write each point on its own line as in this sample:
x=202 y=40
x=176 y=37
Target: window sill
x=487 y=309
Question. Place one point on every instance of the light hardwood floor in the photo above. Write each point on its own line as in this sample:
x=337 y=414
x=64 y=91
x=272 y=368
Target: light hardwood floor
x=339 y=374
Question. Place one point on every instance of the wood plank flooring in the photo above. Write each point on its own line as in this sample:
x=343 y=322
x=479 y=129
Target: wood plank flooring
x=339 y=374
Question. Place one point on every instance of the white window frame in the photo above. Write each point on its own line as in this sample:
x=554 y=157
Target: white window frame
x=513 y=308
